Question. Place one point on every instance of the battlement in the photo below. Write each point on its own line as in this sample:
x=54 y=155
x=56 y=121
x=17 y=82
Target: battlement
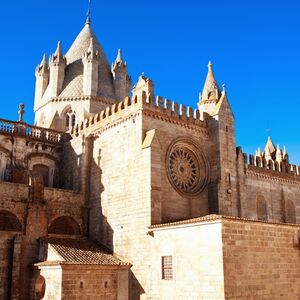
x=159 y=108
x=283 y=167
x=260 y=164
x=25 y=130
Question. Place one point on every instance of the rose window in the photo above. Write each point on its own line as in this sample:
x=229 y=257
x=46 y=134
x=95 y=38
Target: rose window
x=187 y=168
x=184 y=169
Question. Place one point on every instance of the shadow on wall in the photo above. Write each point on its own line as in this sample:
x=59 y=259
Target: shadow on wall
x=82 y=172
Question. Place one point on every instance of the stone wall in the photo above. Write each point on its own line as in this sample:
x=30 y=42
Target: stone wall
x=33 y=208
x=279 y=191
x=6 y=262
x=197 y=262
x=84 y=282
x=261 y=260
x=10 y=251
x=167 y=204
x=89 y=283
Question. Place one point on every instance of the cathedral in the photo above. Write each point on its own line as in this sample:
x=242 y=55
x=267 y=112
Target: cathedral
x=116 y=193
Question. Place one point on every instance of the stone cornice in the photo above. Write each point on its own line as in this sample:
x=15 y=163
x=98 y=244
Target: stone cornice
x=107 y=101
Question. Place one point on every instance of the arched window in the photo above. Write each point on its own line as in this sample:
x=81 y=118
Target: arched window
x=67 y=121
x=73 y=119
x=9 y=222
x=43 y=171
x=64 y=225
x=70 y=119
x=290 y=213
x=261 y=208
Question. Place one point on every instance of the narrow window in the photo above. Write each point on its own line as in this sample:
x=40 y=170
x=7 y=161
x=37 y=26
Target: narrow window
x=167 y=267
x=73 y=120
x=67 y=120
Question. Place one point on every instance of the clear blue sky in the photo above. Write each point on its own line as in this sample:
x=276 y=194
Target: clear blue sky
x=254 y=46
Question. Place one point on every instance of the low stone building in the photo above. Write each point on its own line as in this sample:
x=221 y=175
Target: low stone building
x=118 y=196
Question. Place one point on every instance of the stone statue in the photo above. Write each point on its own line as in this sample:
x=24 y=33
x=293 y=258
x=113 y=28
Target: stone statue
x=21 y=112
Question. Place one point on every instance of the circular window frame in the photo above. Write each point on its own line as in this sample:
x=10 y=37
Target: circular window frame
x=201 y=163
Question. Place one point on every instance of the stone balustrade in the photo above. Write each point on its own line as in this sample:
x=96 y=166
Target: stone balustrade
x=23 y=129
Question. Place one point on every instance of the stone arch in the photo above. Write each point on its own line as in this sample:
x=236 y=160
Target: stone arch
x=43 y=164
x=64 y=225
x=261 y=208
x=9 y=221
x=290 y=212
x=68 y=117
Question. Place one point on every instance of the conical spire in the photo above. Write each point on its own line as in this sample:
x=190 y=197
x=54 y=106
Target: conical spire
x=44 y=60
x=270 y=146
x=211 y=89
x=58 y=56
x=82 y=43
x=91 y=53
x=42 y=68
x=119 y=60
x=119 y=57
x=258 y=152
x=58 y=50
x=278 y=154
x=285 y=155
x=267 y=154
x=88 y=13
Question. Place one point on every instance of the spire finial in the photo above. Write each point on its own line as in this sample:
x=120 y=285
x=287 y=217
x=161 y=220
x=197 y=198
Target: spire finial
x=209 y=65
x=119 y=56
x=88 y=13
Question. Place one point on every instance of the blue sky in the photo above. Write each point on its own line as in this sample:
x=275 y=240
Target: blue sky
x=254 y=47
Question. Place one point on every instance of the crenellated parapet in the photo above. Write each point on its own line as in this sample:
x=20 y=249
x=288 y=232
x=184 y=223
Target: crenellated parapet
x=270 y=169
x=273 y=160
x=157 y=108
x=282 y=167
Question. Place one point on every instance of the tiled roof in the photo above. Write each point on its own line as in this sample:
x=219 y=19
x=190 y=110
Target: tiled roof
x=215 y=217
x=83 y=251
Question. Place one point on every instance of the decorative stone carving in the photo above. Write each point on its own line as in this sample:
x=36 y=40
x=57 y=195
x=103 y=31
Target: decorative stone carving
x=187 y=167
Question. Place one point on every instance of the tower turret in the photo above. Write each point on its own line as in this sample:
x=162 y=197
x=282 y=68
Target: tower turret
x=210 y=94
x=144 y=85
x=122 y=82
x=42 y=80
x=90 y=70
x=285 y=155
x=57 y=71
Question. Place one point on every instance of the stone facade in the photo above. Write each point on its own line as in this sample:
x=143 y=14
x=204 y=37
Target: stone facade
x=159 y=186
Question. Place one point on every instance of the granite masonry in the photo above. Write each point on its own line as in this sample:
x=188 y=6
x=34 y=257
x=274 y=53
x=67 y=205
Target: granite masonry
x=116 y=193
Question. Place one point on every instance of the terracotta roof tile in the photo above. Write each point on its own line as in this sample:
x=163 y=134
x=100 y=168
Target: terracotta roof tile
x=83 y=251
x=215 y=217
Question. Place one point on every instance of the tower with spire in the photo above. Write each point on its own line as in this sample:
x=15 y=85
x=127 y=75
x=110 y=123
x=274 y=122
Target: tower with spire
x=78 y=84
x=211 y=94
x=122 y=82
x=57 y=67
x=214 y=103
x=90 y=70
x=273 y=155
x=42 y=80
